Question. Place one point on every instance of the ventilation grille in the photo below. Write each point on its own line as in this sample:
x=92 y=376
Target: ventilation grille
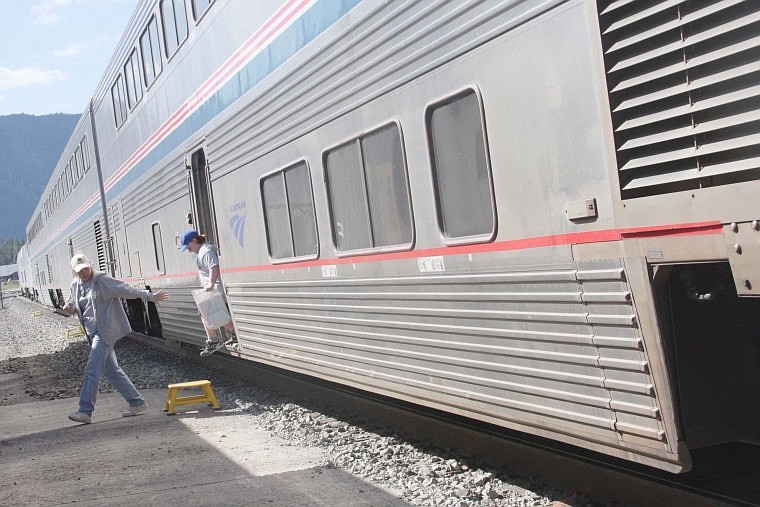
x=684 y=85
x=49 y=271
x=100 y=246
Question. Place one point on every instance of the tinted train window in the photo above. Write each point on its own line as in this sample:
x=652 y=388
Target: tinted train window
x=65 y=180
x=200 y=7
x=75 y=170
x=80 y=162
x=132 y=79
x=175 y=25
x=151 y=54
x=368 y=192
x=118 y=97
x=70 y=172
x=289 y=213
x=461 y=168
x=85 y=154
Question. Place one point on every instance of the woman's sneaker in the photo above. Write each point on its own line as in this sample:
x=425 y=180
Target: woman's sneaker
x=211 y=347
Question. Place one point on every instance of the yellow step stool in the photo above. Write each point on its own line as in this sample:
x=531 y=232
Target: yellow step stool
x=173 y=400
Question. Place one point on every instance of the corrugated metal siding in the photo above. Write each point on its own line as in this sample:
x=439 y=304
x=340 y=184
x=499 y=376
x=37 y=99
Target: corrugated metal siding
x=166 y=185
x=550 y=349
x=683 y=83
x=382 y=48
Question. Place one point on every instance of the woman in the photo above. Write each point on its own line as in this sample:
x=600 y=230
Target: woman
x=95 y=297
x=207 y=260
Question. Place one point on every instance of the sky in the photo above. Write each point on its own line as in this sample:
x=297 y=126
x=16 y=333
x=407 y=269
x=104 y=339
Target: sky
x=53 y=52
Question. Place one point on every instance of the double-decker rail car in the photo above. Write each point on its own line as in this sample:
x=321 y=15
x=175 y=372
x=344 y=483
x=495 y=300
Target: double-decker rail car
x=540 y=214
x=24 y=273
x=72 y=188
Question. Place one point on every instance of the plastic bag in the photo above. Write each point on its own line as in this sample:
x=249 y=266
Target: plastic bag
x=212 y=307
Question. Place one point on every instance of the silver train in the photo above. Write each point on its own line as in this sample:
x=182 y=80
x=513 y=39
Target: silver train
x=541 y=214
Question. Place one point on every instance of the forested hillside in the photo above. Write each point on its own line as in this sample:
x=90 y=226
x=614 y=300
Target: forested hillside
x=8 y=250
x=31 y=148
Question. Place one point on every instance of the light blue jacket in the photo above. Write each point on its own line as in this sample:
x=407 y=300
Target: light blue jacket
x=110 y=318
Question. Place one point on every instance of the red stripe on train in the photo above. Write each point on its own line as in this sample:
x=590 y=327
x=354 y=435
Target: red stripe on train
x=575 y=238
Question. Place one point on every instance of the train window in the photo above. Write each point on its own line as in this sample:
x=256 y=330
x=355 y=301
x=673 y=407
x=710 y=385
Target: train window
x=76 y=173
x=200 y=7
x=289 y=213
x=174 y=19
x=80 y=162
x=85 y=154
x=368 y=192
x=76 y=166
x=132 y=78
x=151 y=53
x=461 y=168
x=118 y=97
x=70 y=173
x=158 y=248
x=66 y=179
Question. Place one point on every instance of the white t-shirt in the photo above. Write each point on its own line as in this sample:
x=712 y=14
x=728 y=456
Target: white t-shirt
x=207 y=258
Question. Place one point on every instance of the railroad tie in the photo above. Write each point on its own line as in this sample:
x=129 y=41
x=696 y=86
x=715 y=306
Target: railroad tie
x=173 y=400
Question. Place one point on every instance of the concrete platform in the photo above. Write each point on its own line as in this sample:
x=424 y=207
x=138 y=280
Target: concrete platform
x=198 y=457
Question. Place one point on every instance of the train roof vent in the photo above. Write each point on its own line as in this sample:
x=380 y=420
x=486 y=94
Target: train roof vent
x=684 y=85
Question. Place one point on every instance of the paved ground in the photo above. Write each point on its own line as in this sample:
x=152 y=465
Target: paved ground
x=197 y=457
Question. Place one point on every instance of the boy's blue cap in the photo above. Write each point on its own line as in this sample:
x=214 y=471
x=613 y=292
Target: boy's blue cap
x=187 y=237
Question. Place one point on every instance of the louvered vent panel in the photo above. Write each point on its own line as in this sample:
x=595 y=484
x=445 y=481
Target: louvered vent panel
x=684 y=84
x=101 y=246
x=49 y=270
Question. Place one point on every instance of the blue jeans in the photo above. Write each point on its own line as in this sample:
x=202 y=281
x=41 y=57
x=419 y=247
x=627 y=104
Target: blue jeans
x=102 y=361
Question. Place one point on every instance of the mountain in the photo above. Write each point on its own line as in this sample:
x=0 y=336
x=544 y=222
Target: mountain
x=31 y=148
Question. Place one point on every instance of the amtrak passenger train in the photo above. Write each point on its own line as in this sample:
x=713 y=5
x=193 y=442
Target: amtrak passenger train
x=541 y=214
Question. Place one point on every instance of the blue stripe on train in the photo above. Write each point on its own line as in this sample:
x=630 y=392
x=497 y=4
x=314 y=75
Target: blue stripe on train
x=318 y=18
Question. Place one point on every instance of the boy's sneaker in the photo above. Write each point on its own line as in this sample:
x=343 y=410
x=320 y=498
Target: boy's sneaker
x=135 y=410
x=232 y=341
x=211 y=347
x=81 y=417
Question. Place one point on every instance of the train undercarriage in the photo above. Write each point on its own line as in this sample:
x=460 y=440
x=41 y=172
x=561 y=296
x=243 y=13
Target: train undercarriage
x=713 y=352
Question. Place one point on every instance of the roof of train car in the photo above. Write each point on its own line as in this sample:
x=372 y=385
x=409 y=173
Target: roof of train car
x=8 y=269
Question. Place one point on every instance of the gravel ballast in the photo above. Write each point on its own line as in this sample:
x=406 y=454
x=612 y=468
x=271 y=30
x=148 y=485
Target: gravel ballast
x=35 y=345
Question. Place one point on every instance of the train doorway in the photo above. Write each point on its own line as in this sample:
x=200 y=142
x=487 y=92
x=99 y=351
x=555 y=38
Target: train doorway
x=201 y=197
x=714 y=352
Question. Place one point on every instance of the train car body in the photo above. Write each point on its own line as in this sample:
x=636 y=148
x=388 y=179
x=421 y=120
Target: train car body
x=540 y=213
x=25 y=277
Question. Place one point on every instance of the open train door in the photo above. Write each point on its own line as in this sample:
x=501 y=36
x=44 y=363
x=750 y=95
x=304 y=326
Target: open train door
x=202 y=216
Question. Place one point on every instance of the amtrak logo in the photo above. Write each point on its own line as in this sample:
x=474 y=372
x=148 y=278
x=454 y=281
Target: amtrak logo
x=237 y=225
x=237 y=222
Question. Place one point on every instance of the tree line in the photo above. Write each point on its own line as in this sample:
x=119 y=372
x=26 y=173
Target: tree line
x=9 y=250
